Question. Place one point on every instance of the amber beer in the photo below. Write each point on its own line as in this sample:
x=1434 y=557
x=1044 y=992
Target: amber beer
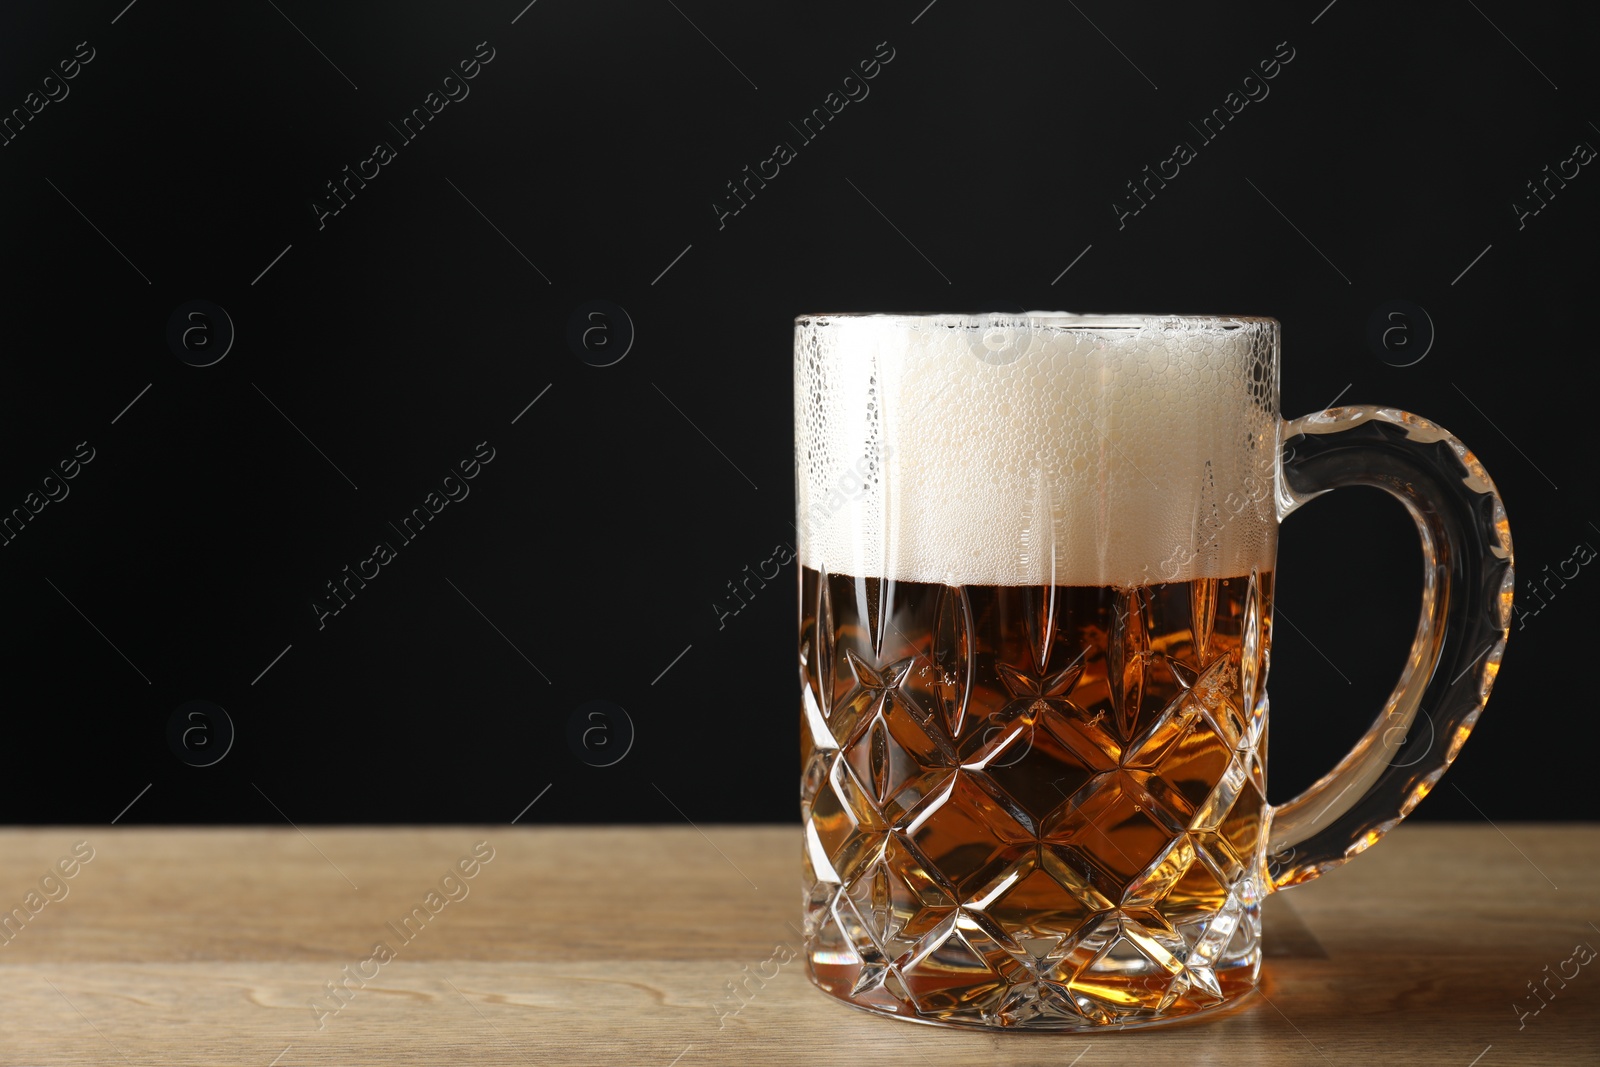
x=1055 y=789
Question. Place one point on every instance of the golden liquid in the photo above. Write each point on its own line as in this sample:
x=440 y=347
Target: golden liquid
x=1033 y=807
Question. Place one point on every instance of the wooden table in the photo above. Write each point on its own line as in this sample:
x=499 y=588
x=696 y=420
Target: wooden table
x=613 y=945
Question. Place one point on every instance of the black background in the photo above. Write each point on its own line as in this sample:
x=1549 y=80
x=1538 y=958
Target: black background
x=378 y=350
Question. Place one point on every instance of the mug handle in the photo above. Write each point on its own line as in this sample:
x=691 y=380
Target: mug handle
x=1461 y=634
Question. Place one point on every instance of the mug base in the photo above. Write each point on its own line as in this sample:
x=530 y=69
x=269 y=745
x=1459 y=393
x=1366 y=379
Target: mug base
x=1091 y=1005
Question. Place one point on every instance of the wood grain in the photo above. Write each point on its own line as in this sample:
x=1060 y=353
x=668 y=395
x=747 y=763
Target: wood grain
x=613 y=945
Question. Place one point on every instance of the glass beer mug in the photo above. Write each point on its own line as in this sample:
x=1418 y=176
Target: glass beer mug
x=1036 y=616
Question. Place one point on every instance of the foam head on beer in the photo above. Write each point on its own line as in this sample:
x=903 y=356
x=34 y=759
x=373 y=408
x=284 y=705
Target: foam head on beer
x=1037 y=448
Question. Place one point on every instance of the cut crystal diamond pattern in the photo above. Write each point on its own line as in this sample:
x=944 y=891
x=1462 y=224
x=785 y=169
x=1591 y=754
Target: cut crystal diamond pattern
x=947 y=676
x=872 y=693
x=968 y=836
x=898 y=899
x=846 y=824
x=894 y=758
x=1117 y=822
x=1050 y=819
x=1039 y=916
x=961 y=966
x=1027 y=688
x=1043 y=765
x=815 y=723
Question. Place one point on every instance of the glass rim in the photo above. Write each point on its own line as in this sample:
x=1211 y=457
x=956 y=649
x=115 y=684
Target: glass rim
x=1058 y=319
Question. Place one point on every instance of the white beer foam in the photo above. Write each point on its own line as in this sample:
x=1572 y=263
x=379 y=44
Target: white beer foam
x=1038 y=448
